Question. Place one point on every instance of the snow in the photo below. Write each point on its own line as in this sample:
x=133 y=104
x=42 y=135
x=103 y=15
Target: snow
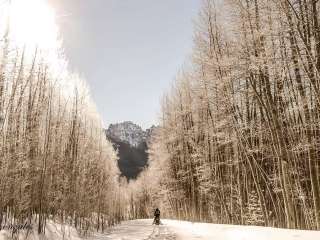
x=127 y=132
x=206 y=231
x=181 y=230
x=175 y=230
x=54 y=231
x=137 y=230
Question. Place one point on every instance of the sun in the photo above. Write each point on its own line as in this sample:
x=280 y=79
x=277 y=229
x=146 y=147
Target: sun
x=32 y=23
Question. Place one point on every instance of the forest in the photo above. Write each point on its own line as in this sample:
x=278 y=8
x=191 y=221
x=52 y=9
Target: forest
x=55 y=161
x=239 y=136
x=238 y=141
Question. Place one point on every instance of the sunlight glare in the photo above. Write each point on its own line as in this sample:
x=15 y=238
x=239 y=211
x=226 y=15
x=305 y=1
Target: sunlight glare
x=32 y=23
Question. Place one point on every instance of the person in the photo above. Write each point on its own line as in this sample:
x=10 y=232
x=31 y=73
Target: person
x=156 y=216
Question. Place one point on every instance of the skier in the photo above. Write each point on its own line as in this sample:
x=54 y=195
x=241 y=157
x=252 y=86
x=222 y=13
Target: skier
x=156 y=217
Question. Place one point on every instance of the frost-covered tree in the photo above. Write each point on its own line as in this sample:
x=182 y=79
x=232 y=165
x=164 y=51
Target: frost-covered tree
x=55 y=162
x=254 y=212
x=243 y=118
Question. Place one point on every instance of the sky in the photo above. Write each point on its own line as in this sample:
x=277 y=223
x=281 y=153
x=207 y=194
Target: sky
x=129 y=51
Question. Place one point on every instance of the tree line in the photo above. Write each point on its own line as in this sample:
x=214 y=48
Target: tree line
x=55 y=161
x=239 y=136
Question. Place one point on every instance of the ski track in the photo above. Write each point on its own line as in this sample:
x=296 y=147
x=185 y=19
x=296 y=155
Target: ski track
x=171 y=230
x=137 y=230
x=161 y=233
x=180 y=230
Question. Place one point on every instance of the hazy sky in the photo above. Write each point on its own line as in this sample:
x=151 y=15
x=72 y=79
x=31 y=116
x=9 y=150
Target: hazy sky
x=129 y=51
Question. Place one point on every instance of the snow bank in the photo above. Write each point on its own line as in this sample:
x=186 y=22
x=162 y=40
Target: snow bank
x=206 y=231
x=54 y=231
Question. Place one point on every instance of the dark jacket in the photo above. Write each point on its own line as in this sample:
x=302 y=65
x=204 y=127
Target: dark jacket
x=157 y=213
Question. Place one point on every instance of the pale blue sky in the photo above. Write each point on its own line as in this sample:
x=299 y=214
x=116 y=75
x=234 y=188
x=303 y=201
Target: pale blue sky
x=129 y=51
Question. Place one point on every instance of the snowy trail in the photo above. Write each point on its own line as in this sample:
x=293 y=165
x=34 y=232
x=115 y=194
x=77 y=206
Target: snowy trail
x=179 y=230
x=138 y=230
x=172 y=230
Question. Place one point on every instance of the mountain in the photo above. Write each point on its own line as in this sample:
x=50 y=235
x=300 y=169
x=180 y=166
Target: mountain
x=131 y=142
x=127 y=132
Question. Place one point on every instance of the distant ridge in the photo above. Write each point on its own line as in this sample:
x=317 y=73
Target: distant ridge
x=130 y=140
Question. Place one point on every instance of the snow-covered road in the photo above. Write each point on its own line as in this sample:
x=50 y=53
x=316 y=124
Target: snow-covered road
x=171 y=230
x=178 y=230
x=138 y=230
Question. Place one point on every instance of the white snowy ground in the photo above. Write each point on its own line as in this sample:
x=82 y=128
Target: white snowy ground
x=177 y=230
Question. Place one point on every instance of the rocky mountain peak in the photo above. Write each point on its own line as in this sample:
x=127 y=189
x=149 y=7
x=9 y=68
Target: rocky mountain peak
x=131 y=142
x=128 y=132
